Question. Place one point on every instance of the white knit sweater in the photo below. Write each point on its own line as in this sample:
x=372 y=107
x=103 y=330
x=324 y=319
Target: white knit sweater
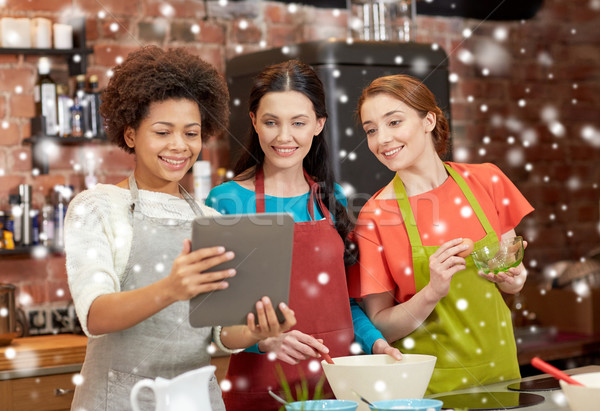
x=98 y=237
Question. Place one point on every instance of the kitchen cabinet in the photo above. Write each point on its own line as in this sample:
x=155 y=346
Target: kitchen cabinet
x=44 y=393
x=36 y=373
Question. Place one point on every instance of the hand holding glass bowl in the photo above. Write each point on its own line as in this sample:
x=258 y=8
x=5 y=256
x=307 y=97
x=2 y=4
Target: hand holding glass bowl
x=499 y=257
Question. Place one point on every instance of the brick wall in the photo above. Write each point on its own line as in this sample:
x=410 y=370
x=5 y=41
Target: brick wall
x=525 y=96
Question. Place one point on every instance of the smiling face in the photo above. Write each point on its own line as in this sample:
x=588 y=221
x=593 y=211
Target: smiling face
x=166 y=143
x=398 y=136
x=286 y=124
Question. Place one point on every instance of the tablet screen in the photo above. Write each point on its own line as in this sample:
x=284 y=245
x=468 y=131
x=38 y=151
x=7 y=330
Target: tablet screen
x=263 y=245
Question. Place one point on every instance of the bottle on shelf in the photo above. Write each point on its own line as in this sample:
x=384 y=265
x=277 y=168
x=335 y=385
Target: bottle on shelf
x=76 y=115
x=26 y=226
x=47 y=225
x=64 y=104
x=7 y=231
x=81 y=99
x=202 y=180
x=45 y=98
x=2 y=219
x=93 y=96
x=62 y=195
x=13 y=222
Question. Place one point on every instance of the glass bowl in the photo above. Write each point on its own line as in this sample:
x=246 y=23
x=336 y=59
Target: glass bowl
x=499 y=257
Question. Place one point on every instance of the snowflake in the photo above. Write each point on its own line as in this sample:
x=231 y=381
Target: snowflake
x=77 y=379
x=380 y=386
x=466 y=212
x=226 y=385
x=500 y=33
x=323 y=278
x=314 y=366
x=408 y=343
x=355 y=348
x=440 y=228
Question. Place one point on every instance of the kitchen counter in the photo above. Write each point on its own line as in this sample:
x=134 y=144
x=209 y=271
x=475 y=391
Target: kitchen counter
x=42 y=355
x=554 y=400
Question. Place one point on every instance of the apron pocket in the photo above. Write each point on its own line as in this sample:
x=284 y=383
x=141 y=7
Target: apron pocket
x=119 y=388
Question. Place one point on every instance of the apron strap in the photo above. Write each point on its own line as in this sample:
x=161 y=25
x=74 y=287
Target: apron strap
x=407 y=214
x=259 y=193
x=135 y=196
x=191 y=201
x=259 y=190
x=409 y=218
x=471 y=199
x=133 y=189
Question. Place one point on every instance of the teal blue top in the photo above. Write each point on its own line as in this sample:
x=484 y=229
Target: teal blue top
x=232 y=198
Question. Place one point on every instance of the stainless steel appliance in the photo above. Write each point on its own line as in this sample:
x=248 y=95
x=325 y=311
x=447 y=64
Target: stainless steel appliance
x=345 y=68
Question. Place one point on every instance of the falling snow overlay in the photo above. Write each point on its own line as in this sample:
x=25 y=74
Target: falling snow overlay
x=524 y=96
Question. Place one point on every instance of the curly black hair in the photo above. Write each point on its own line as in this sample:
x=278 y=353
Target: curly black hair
x=152 y=74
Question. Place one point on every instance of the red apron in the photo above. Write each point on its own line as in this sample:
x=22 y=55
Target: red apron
x=319 y=298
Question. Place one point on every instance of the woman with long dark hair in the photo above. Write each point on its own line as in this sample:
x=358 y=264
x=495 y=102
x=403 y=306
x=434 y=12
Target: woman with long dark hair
x=286 y=169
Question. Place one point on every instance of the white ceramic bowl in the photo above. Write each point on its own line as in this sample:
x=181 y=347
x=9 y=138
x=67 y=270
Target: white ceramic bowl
x=583 y=398
x=379 y=377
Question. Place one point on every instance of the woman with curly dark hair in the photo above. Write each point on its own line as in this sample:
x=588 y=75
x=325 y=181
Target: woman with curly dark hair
x=129 y=275
x=286 y=169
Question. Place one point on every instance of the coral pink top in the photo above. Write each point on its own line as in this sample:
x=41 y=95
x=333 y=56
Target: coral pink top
x=442 y=214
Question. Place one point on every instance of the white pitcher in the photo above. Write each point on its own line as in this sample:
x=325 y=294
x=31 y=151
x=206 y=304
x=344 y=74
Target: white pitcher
x=186 y=392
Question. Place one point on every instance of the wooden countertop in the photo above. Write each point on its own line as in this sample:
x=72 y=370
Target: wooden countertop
x=42 y=352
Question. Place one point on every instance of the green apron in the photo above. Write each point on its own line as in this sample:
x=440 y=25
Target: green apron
x=470 y=330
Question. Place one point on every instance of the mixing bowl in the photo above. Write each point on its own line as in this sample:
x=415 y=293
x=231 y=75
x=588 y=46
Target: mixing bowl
x=499 y=257
x=408 y=405
x=313 y=405
x=583 y=398
x=379 y=377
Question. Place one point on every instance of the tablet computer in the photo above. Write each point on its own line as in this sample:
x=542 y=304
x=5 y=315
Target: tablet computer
x=263 y=245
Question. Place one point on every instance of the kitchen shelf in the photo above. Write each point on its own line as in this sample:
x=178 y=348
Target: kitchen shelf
x=77 y=65
x=39 y=158
x=64 y=140
x=18 y=252
x=77 y=58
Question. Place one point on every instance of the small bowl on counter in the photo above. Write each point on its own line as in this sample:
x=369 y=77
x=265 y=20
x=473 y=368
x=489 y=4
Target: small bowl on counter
x=583 y=398
x=314 y=405
x=422 y=404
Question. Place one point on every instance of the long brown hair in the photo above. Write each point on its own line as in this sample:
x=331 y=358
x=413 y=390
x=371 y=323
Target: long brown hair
x=416 y=95
x=296 y=76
